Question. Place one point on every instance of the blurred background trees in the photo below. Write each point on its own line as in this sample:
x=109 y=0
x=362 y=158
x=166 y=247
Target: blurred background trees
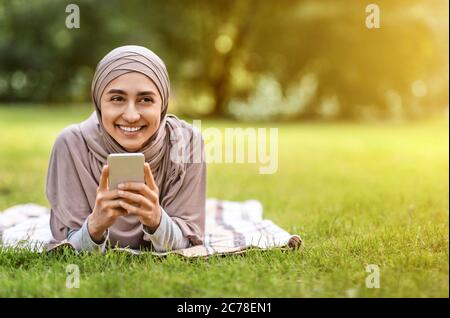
x=247 y=59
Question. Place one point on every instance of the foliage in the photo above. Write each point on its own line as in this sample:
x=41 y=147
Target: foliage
x=218 y=53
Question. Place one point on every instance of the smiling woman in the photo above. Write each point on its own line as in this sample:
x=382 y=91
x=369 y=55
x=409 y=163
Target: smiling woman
x=130 y=91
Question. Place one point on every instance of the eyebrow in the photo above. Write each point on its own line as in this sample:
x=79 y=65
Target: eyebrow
x=119 y=91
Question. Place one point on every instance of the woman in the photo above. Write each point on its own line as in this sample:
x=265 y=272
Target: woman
x=130 y=91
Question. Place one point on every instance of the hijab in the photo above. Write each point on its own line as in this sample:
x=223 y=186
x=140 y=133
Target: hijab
x=81 y=150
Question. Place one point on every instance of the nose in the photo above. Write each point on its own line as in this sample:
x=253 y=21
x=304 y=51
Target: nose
x=131 y=114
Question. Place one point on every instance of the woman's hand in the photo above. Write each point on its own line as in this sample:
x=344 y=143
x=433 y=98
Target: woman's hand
x=106 y=210
x=142 y=200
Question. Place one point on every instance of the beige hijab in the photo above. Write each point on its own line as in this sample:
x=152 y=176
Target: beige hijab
x=80 y=152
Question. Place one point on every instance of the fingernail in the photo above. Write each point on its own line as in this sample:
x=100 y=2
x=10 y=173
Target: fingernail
x=121 y=186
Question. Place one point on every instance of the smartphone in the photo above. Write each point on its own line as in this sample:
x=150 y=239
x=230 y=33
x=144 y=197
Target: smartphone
x=125 y=167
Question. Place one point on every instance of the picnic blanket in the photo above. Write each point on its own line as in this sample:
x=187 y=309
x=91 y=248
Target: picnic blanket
x=230 y=228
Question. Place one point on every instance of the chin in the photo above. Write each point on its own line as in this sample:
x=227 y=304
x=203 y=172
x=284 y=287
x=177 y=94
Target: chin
x=131 y=148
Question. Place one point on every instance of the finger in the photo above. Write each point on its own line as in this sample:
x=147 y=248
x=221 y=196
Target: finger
x=131 y=209
x=108 y=195
x=149 y=177
x=103 y=184
x=119 y=211
x=111 y=204
x=116 y=207
x=136 y=198
x=147 y=193
x=140 y=188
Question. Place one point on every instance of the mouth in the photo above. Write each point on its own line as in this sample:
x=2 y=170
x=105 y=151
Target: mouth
x=130 y=131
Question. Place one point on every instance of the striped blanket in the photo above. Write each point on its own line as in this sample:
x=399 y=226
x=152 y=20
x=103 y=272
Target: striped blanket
x=230 y=228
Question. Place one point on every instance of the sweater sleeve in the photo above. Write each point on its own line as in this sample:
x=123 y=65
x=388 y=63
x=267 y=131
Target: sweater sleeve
x=167 y=236
x=82 y=240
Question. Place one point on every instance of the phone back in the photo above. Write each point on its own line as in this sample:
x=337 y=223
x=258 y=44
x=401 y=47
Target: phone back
x=125 y=167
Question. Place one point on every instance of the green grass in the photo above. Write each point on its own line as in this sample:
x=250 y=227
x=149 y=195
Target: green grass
x=358 y=194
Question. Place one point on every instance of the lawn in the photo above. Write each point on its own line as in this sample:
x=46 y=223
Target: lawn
x=358 y=194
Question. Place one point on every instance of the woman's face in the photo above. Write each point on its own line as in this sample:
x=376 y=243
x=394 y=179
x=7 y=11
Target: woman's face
x=131 y=110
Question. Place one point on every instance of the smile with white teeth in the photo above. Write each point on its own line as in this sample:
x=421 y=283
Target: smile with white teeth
x=130 y=129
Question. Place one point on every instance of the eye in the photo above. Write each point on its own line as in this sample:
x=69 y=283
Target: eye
x=117 y=98
x=147 y=100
